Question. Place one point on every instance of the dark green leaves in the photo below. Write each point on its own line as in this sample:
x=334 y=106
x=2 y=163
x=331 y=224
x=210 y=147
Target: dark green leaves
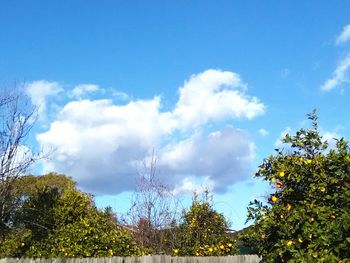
x=309 y=216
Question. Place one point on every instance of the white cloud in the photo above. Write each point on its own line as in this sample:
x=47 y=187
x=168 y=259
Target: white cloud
x=99 y=143
x=214 y=95
x=339 y=76
x=330 y=137
x=279 y=141
x=344 y=35
x=83 y=89
x=189 y=185
x=222 y=158
x=121 y=95
x=102 y=145
x=39 y=91
x=263 y=132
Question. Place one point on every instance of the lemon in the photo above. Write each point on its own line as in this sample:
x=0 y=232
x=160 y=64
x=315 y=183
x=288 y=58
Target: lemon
x=274 y=198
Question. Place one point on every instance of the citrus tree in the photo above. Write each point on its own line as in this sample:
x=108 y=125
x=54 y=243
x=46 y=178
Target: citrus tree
x=308 y=215
x=203 y=232
x=61 y=223
x=81 y=230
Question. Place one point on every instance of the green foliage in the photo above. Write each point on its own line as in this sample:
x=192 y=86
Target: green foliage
x=29 y=186
x=37 y=214
x=308 y=216
x=203 y=232
x=64 y=222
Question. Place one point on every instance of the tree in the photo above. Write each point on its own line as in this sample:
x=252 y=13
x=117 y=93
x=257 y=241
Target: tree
x=56 y=222
x=153 y=209
x=17 y=117
x=28 y=185
x=308 y=215
x=203 y=232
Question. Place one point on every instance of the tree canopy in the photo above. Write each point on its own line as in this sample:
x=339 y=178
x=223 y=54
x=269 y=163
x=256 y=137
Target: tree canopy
x=308 y=215
x=61 y=221
x=203 y=232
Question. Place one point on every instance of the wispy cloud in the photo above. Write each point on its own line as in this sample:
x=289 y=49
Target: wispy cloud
x=339 y=76
x=344 y=36
x=83 y=89
x=121 y=95
x=285 y=72
x=39 y=91
x=263 y=132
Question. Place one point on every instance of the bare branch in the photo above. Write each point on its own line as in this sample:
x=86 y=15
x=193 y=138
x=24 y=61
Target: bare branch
x=154 y=208
x=17 y=117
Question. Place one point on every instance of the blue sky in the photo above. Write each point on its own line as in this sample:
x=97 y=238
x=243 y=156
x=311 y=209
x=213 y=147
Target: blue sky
x=209 y=85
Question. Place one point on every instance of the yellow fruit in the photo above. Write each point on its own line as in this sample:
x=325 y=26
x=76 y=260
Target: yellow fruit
x=210 y=249
x=311 y=219
x=289 y=207
x=289 y=243
x=282 y=174
x=300 y=240
x=309 y=161
x=274 y=198
x=229 y=245
x=222 y=246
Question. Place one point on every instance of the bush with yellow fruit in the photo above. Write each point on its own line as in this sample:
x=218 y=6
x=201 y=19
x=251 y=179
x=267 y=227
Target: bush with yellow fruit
x=307 y=216
x=203 y=232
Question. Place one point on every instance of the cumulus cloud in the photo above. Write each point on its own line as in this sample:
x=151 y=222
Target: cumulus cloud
x=99 y=143
x=102 y=145
x=39 y=91
x=344 y=35
x=83 y=89
x=220 y=158
x=211 y=96
x=339 y=76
